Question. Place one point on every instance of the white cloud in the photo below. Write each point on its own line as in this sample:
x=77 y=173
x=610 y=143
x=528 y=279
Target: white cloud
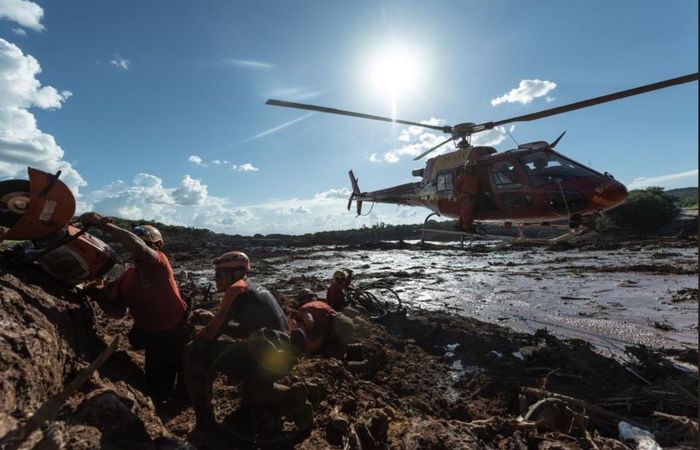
x=146 y=198
x=190 y=192
x=417 y=140
x=22 y=143
x=672 y=181
x=197 y=161
x=25 y=13
x=526 y=91
x=19 y=31
x=492 y=137
x=120 y=63
x=300 y=209
x=247 y=64
x=247 y=167
x=333 y=194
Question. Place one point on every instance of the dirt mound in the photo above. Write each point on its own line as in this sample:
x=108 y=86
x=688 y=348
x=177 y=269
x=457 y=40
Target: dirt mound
x=48 y=335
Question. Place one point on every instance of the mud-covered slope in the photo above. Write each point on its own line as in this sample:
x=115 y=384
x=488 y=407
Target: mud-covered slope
x=417 y=380
x=47 y=335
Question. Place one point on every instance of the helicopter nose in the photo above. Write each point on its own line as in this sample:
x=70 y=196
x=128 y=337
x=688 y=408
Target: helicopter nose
x=609 y=194
x=616 y=194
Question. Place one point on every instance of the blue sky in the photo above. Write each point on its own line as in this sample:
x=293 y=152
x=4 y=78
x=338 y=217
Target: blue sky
x=155 y=109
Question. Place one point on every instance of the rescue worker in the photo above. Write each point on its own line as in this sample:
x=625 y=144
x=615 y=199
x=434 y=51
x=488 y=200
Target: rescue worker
x=466 y=189
x=327 y=331
x=265 y=353
x=149 y=290
x=336 y=295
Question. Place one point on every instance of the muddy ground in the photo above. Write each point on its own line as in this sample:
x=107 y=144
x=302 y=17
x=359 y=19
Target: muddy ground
x=421 y=379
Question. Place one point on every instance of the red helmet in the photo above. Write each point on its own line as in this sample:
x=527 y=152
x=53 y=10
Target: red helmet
x=233 y=260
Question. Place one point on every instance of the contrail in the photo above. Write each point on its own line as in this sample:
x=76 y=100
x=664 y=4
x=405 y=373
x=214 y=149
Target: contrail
x=275 y=129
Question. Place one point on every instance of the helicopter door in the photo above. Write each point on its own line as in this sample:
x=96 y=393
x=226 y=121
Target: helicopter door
x=508 y=186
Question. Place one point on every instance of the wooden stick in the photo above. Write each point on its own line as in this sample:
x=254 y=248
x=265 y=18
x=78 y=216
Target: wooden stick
x=686 y=422
x=52 y=406
x=540 y=393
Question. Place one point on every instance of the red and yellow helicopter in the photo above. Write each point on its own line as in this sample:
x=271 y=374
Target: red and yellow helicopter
x=531 y=184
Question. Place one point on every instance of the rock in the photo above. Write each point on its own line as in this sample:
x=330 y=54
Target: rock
x=113 y=416
x=340 y=423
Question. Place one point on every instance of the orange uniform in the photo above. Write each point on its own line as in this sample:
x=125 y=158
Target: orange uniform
x=321 y=326
x=466 y=188
x=150 y=292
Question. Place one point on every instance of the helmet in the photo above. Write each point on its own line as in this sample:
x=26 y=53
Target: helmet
x=148 y=233
x=339 y=274
x=233 y=260
x=305 y=294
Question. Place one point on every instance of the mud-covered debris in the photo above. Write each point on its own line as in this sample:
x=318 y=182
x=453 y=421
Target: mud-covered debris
x=642 y=438
x=685 y=295
x=664 y=326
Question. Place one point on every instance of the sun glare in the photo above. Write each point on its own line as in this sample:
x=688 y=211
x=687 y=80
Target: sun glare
x=394 y=71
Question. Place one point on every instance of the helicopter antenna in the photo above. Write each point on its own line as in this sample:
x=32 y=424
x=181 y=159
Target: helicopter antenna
x=511 y=136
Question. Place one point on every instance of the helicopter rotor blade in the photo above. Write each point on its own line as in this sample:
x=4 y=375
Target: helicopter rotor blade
x=342 y=112
x=432 y=148
x=589 y=102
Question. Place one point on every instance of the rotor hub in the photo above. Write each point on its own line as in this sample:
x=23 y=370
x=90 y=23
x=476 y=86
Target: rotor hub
x=463 y=129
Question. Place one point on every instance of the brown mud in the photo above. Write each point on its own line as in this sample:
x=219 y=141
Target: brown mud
x=417 y=379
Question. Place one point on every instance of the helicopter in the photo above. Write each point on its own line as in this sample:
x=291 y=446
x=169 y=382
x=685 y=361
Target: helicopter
x=531 y=184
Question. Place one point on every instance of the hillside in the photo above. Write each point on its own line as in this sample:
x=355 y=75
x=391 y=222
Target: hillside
x=686 y=196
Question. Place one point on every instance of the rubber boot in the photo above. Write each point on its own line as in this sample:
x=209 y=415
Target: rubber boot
x=198 y=381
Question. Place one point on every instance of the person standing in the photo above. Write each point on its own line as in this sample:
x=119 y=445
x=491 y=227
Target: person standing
x=466 y=189
x=149 y=290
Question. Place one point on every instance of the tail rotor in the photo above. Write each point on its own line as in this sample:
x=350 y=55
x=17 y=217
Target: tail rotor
x=355 y=193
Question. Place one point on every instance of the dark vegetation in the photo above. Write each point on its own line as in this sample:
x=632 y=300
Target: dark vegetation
x=685 y=197
x=645 y=211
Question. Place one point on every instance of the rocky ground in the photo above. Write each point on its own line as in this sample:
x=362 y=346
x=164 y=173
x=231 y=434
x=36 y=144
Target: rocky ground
x=418 y=379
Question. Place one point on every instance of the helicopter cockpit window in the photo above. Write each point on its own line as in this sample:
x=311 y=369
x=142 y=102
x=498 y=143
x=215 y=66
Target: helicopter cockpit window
x=546 y=167
x=505 y=175
x=444 y=182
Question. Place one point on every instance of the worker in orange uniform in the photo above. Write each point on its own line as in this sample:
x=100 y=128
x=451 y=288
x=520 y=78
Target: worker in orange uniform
x=149 y=290
x=336 y=295
x=466 y=189
x=327 y=331
x=263 y=354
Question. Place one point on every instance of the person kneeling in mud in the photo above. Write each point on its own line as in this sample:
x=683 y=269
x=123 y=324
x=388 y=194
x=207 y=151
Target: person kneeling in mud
x=327 y=331
x=264 y=354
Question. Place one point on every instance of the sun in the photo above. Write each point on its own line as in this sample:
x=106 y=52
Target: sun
x=395 y=70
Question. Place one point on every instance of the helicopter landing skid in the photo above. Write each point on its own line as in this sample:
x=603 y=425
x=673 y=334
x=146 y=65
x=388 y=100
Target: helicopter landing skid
x=573 y=232
x=462 y=234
